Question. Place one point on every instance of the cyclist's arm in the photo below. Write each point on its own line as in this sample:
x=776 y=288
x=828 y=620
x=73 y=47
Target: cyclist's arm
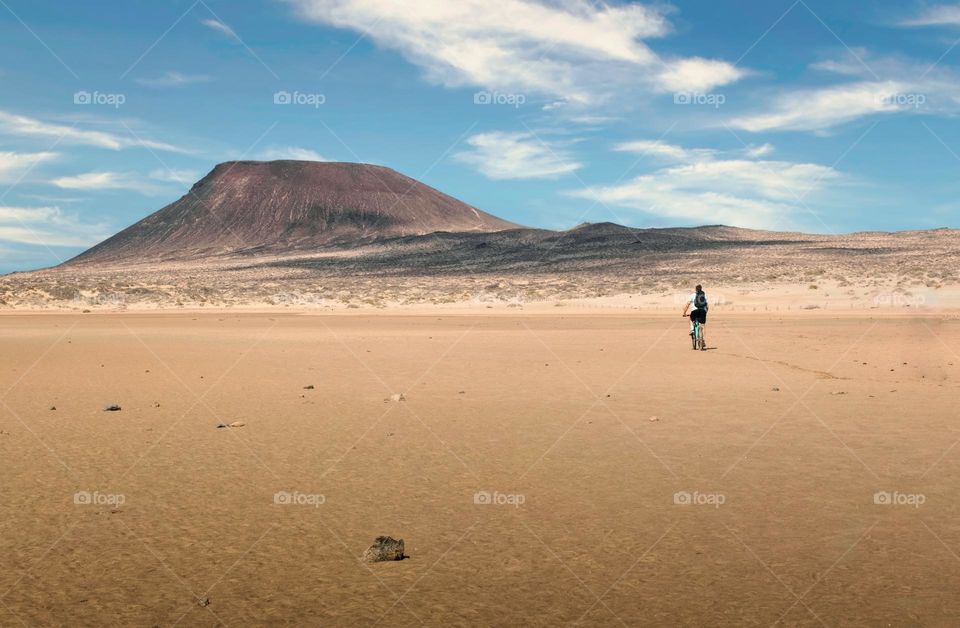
x=686 y=308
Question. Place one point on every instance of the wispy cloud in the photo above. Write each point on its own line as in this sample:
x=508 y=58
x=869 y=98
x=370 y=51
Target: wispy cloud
x=174 y=79
x=943 y=15
x=907 y=87
x=576 y=50
x=662 y=150
x=15 y=165
x=823 y=108
x=291 y=152
x=220 y=27
x=501 y=155
x=105 y=180
x=13 y=124
x=47 y=226
x=711 y=188
x=182 y=177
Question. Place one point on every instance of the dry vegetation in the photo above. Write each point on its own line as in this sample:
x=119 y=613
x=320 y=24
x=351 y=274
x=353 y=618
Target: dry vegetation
x=520 y=266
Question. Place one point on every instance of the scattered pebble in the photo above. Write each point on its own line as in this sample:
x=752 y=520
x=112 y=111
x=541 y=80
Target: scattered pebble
x=310 y=387
x=775 y=389
x=398 y=397
x=156 y=404
x=654 y=419
x=113 y=408
x=237 y=424
x=204 y=601
x=53 y=407
x=838 y=392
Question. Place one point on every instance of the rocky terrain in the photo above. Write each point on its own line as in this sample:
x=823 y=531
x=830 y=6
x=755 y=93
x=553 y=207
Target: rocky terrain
x=352 y=235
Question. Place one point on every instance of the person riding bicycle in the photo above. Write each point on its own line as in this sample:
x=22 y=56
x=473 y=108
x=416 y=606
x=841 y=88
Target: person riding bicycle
x=698 y=301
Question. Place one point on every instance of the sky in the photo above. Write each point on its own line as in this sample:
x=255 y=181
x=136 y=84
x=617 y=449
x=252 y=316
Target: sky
x=826 y=116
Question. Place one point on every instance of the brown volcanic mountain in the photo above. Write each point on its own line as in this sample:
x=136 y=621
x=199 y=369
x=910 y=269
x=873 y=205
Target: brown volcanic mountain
x=252 y=206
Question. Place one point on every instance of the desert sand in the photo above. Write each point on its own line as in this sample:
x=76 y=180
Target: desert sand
x=804 y=470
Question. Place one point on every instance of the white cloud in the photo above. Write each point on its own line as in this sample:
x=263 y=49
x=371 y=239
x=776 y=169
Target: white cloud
x=663 y=150
x=944 y=15
x=576 y=50
x=13 y=124
x=735 y=191
x=908 y=87
x=47 y=226
x=105 y=180
x=759 y=151
x=823 y=108
x=184 y=177
x=219 y=26
x=698 y=75
x=291 y=152
x=13 y=166
x=501 y=155
x=174 y=79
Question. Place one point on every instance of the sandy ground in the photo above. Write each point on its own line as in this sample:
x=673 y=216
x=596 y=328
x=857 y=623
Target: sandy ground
x=817 y=453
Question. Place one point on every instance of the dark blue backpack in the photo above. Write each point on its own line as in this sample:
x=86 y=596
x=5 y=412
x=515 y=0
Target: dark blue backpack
x=700 y=301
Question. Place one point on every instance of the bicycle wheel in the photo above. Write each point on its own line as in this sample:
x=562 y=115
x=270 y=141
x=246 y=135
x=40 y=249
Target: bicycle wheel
x=696 y=335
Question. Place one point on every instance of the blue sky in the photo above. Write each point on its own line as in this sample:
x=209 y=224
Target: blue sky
x=824 y=116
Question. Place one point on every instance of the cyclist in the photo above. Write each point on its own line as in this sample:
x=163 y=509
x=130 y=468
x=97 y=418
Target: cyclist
x=698 y=313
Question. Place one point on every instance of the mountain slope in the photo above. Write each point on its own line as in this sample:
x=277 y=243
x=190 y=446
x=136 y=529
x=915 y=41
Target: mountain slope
x=250 y=206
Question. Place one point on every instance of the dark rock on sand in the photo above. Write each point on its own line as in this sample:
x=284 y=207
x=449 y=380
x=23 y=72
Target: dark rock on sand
x=383 y=549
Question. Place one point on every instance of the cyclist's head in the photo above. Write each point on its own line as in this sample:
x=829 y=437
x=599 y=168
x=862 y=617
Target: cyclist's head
x=699 y=288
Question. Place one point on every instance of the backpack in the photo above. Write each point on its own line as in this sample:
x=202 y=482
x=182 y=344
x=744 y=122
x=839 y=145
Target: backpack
x=700 y=301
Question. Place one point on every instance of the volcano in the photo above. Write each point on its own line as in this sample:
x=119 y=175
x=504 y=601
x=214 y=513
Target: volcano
x=252 y=207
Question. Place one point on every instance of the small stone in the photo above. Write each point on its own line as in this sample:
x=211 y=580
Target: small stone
x=775 y=389
x=237 y=424
x=113 y=408
x=398 y=397
x=220 y=426
x=204 y=601
x=654 y=419
x=310 y=387
x=53 y=407
x=383 y=549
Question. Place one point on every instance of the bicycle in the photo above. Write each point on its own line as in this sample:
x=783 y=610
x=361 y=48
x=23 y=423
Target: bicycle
x=697 y=337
